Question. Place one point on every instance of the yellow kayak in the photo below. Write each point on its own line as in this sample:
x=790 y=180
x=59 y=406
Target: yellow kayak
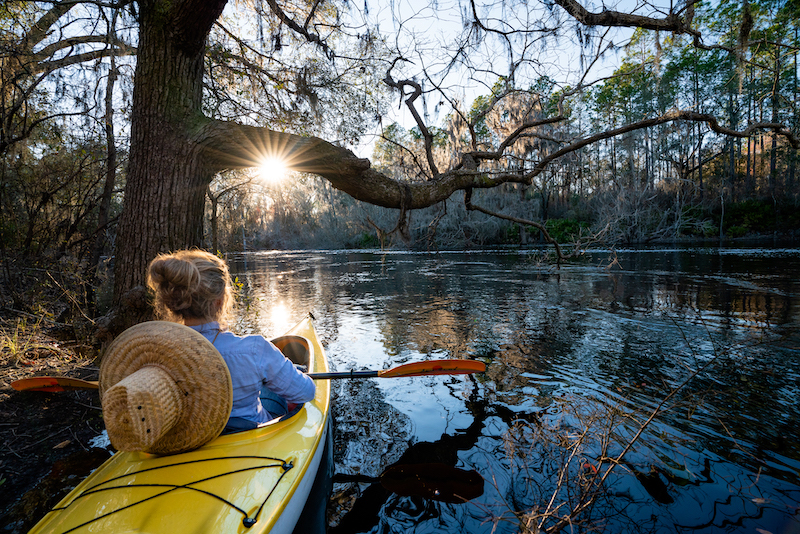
x=249 y=482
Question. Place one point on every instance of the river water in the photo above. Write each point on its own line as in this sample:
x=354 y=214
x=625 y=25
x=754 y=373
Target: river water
x=578 y=358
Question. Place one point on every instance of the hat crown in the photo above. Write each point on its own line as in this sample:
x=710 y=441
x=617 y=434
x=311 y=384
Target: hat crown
x=145 y=406
x=165 y=389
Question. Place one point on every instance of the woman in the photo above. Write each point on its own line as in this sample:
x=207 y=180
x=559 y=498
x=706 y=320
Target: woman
x=194 y=287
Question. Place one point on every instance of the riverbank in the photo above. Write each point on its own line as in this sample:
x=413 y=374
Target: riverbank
x=45 y=437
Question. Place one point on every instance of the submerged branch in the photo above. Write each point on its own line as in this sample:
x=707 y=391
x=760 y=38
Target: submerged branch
x=612 y=462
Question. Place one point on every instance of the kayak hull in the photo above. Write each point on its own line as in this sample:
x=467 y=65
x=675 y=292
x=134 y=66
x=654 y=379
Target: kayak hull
x=255 y=481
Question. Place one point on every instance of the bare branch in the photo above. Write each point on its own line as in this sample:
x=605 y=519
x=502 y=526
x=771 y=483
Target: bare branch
x=415 y=93
x=677 y=22
x=300 y=30
x=121 y=48
x=40 y=30
x=539 y=226
x=676 y=115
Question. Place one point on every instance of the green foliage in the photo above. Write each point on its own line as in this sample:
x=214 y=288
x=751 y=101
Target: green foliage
x=696 y=221
x=9 y=233
x=736 y=231
x=511 y=234
x=479 y=106
x=750 y=216
x=565 y=230
x=699 y=228
x=368 y=240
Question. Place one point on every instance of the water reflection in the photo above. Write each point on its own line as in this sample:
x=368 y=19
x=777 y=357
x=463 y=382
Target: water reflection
x=725 y=454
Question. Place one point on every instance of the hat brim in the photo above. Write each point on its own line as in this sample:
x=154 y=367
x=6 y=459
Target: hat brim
x=194 y=364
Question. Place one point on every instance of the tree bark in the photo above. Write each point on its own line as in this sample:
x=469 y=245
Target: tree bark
x=166 y=182
x=228 y=145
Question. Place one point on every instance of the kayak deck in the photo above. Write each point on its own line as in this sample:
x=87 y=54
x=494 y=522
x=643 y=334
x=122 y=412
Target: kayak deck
x=253 y=481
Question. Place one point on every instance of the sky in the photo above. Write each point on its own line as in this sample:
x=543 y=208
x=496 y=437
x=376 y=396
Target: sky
x=427 y=31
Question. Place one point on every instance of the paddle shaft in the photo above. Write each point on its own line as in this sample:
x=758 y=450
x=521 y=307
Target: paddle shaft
x=345 y=374
x=427 y=368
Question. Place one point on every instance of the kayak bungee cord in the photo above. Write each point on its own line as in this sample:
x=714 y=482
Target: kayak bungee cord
x=247 y=521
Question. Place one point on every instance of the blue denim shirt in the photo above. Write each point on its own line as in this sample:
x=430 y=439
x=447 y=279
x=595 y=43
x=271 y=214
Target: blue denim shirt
x=254 y=362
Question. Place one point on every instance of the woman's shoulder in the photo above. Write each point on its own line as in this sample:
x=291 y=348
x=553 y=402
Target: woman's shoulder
x=246 y=341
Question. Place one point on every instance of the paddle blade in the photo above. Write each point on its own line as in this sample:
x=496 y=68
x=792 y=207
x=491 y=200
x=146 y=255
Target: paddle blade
x=438 y=482
x=52 y=384
x=434 y=367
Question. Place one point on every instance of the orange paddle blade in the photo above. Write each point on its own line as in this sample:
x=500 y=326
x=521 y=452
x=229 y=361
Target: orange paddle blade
x=434 y=367
x=52 y=383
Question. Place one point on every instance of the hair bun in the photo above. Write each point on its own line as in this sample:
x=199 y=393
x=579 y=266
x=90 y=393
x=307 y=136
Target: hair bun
x=190 y=284
x=177 y=279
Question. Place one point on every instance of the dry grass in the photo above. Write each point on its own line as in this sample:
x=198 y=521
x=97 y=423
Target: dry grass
x=26 y=349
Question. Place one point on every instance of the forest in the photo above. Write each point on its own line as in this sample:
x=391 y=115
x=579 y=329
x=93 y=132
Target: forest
x=521 y=125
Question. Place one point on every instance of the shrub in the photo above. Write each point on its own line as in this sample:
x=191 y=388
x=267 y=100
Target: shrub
x=564 y=230
x=737 y=231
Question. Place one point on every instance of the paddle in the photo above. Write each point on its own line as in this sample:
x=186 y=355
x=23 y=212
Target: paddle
x=435 y=481
x=53 y=383
x=427 y=368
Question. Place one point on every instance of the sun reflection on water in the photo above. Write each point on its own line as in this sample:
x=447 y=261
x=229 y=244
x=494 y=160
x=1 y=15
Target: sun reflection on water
x=279 y=317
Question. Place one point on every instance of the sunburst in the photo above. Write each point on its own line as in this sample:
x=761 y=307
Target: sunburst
x=272 y=170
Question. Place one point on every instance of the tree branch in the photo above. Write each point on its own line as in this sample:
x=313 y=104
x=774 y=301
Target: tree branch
x=122 y=48
x=193 y=19
x=539 y=226
x=228 y=145
x=673 y=22
x=415 y=93
x=300 y=30
x=41 y=29
x=676 y=115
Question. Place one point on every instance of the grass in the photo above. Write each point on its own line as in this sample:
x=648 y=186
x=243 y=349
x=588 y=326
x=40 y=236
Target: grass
x=14 y=344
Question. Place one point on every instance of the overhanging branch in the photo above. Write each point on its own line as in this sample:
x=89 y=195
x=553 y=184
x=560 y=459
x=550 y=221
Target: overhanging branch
x=228 y=145
x=675 y=115
x=525 y=222
x=677 y=22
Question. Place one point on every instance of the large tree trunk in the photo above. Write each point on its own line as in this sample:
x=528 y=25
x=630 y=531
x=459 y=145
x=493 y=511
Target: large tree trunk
x=775 y=96
x=166 y=179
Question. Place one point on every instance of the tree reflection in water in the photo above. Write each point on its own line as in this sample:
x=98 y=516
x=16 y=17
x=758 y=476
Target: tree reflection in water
x=562 y=345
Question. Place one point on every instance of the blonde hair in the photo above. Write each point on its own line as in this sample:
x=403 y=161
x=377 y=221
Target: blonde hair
x=191 y=284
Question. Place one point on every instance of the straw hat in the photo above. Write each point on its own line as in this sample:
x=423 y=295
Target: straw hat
x=164 y=388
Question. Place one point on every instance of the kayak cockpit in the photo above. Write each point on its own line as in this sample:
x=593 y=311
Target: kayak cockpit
x=296 y=348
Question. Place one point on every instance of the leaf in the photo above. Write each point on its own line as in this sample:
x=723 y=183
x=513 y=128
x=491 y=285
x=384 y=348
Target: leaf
x=62 y=444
